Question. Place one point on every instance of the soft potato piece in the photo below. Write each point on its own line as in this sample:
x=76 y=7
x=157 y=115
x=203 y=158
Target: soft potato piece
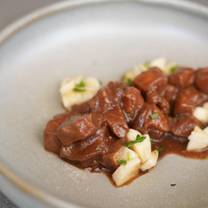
x=158 y=62
x=126 y=172
x=132 y=134
x=71 y=95
x=201 y=114
x=205 y=130
x=143 y=149
x=163 y=65
x=205 y=106
x=198 y=140
x=126 y=154
x=151 y=162
x=130 y=75
x=112 y=159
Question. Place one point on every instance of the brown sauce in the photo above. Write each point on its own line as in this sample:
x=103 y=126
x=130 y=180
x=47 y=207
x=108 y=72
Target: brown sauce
x=91 y=133
x=170 y=146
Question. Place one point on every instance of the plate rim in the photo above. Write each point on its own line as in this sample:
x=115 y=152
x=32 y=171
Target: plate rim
x=15 y=182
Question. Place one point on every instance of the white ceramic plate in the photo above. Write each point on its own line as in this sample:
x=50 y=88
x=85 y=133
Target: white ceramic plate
x=102 y=39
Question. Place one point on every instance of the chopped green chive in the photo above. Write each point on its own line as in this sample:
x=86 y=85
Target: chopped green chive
x=154 y=116
x=160 y=149
x=146 y=64
x=122 y=162
x=173 y=69
x=138 y=139
x=129 y=82
x=80 y=87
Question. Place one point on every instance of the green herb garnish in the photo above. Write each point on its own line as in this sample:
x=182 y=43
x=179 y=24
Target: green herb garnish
x=160 y=149
x=173 y=69
x=154 y=116
x=122 y=162
x=138 y=139
x=147 y=64
x=129 y=82
x=80 y=87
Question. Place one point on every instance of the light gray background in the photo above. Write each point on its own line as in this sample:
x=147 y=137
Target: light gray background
x=10 y=10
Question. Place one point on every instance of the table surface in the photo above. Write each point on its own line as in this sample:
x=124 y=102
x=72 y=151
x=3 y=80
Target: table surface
x=9 y=13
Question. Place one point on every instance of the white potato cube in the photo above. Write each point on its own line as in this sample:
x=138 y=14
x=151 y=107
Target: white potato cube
x=197 y=129
x=201 y=114
x=73 y=93
x=132 y=134
x=126 y=172
x=151 y=162
x=143 y=149
x=163 y=65
x=205 y=106
x=126 y=154
x=205 y=130
x=158 y=62
x=131 y=74
x=198 y=140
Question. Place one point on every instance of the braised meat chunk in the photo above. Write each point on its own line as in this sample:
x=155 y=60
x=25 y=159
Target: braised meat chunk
x=183 y=78
x=183 y=125
x=88 y=149
x=169 y=93
x=116 y=121
x=132 y=102
x=107 y=97
x=82 y=128
x=156 y=98
x=51 y=141
x=150 y=120
x=188 y=99
x=153 y=79
x=201 y=80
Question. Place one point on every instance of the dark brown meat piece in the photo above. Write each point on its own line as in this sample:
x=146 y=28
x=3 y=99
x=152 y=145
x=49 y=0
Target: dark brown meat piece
x=132 y=102
x=116 y=121
x=169 y=93
x=188 y=99
x=183 y=125
x=183 y=78
x=155 y=98
x=88 y=149
x=164 y=98
x=153 y=79
x=110 y=159
x=151 y=120
x=78 y=129
x=105 y=107
x=201 y=80
x=107 y=97
x=82 y=108
x=51 y=142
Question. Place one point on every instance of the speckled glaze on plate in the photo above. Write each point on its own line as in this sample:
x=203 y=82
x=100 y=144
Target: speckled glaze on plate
x=102 y=39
